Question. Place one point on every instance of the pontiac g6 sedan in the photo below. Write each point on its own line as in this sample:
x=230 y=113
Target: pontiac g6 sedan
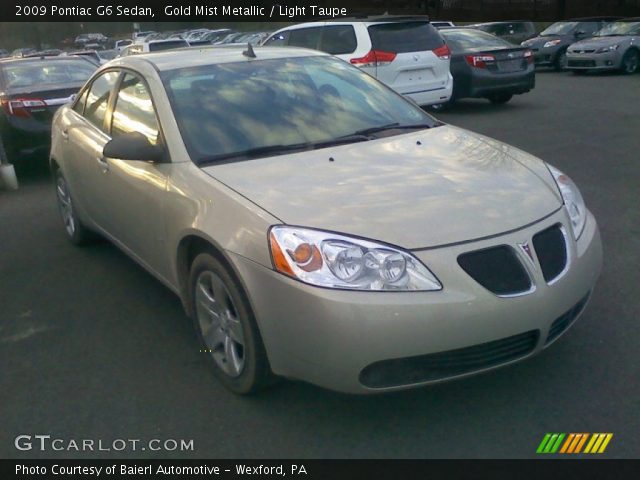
x=318 y=226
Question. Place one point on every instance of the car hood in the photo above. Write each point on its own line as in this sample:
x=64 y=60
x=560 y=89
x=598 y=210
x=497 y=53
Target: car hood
x=423 y=189
x=597 y=42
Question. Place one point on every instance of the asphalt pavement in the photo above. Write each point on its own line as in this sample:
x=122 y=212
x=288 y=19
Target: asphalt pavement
x=93 y=347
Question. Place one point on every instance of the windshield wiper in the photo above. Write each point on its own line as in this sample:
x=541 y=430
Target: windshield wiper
x=254 y=153
x=392 y=126
x=273 y=150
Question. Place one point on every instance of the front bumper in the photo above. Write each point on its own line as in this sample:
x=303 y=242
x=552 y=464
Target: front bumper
x=594 y=61
x=545 y=57
x=330 y=337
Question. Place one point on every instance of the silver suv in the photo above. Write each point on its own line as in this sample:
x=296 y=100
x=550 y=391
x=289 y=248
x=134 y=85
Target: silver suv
x=406 y=53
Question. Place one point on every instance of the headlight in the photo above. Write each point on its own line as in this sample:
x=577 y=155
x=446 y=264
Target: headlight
x=572 y=200
x=551 y=43
x=331 y=260
x=610 y=48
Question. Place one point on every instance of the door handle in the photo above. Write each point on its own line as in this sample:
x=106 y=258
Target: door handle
x=104 y=165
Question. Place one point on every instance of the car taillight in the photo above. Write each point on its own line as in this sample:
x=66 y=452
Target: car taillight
x=375 y=58
x=443 y=52
x=479 y=61
x=528 y=54
x=20 y=107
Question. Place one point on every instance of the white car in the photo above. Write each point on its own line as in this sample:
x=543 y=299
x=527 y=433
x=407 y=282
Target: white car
x=138 y=36
x=406 y=53
x=154 y=46
x=120 y=45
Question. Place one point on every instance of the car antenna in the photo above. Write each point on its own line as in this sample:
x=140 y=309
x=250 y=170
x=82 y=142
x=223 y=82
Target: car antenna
x=249 y=53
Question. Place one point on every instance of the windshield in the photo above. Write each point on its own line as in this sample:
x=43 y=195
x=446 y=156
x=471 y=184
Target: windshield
x=19 y=75
x=560 y=28
x=620 y=28
x=225 y=109
x=461 y=40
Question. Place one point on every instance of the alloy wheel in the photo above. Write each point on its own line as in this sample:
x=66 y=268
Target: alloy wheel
x=219 y=324
x=631 y=63
x=65 y=205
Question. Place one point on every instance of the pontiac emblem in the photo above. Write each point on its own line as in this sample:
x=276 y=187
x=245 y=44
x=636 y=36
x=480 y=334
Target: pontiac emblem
x=526 y=248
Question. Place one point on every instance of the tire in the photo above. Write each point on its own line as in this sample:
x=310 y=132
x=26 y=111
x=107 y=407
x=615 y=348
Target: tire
x=560 y=62
x=441 y=107
x=500 y=98
x=630 y=62
x=226 y=327
x=76 y=232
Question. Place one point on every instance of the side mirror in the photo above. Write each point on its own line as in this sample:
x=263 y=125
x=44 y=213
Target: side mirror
x=133 y=146
x=580 y=33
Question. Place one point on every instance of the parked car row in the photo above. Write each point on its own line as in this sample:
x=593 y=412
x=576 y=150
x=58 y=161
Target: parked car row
x=614 y=47
x=431 y=67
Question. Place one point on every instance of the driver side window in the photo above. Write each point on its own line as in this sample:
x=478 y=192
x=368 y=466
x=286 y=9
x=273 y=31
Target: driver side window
x=134 y=111
x=98 y=98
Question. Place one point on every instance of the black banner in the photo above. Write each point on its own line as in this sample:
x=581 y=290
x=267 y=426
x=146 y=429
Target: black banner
x=173 y=11
x=321 y=469
x=296 y=11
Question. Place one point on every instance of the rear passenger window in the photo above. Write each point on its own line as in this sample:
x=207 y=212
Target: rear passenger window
x=278 y=40
x=404 y=37
x=305 y=37
x=339 y=39
x=98 y=98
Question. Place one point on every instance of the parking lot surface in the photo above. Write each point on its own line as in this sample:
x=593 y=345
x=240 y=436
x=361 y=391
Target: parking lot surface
x=93 y=347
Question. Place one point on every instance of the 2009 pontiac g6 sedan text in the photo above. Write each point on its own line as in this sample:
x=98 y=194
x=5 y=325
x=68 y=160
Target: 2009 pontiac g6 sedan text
x=317 y=225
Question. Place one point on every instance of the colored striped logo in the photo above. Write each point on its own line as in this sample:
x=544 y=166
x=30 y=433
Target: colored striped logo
x=574 y=443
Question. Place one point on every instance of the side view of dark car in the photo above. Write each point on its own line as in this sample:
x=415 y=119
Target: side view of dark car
x=485 y=66
x=550 y=47
x=31 y=90
x=516 y=31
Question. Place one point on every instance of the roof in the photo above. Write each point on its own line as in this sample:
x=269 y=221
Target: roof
x=196 y=57
x=46 y=58
x=381 y=18
x=592 y=19
x=501 y=22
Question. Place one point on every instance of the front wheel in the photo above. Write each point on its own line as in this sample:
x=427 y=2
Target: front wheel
x=560 y=63
x=227 y=328
x=630 y=62
x=500 y=98
x=441 y=107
